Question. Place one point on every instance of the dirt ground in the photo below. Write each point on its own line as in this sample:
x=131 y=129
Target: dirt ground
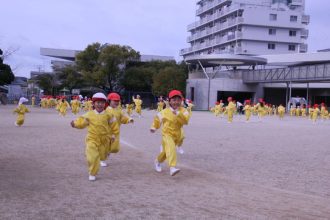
x=269 y=170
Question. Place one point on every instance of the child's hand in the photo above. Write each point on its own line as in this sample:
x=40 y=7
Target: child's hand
x=72 y=124
x=113 y=138
x=131 y=120
x=152 y=130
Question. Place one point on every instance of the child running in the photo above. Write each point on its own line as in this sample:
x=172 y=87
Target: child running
x=172 y=119
x=21 y=110
x=101 y=131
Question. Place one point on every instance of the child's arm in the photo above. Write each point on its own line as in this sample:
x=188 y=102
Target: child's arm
x=125 y=119
x=156 y=123
x=80 y=123
x=183 y=117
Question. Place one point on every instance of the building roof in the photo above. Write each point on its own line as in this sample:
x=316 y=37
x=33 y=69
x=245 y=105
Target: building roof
x=297 y=59
x=211 y=60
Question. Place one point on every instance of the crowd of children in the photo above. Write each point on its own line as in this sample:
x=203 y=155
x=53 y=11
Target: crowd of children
x=104 y=116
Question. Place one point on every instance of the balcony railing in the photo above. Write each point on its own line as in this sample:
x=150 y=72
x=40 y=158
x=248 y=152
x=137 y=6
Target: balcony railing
x=303 y=48
x=304 y=33
x=305 y=19
x=209 y=6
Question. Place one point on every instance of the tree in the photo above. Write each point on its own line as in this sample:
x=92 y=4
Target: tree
x=48 y=83
x=69 y=77
x=138 y=78
x=168 y=79
x=103 y=65
x=6 y=74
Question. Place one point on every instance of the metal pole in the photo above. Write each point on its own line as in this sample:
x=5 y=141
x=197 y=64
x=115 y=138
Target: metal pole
x=287 y=96
x=209 y=87
x=307 y=97
x=290 y=91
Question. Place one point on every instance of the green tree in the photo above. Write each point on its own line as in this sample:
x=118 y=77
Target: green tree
x=69 y=77
x=48 y=83
x=103 y=65
x=6 y=74
x=138 y=78
x=168 y=79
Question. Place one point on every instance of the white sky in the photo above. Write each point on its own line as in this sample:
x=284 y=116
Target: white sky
x=156 y=27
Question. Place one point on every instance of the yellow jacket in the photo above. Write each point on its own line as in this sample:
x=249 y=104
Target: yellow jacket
x=21 y=110
x=172 y=122
x=121 y=118
x=100 y=125
x=138 y=102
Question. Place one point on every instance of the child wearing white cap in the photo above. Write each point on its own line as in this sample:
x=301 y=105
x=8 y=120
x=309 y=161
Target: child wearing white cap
x=21 y=110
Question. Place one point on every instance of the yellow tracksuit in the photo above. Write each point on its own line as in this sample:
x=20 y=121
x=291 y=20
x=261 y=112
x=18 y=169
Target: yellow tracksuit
x=64 y=105
x=171 y=132
x=230 y=109
x=281 y=111
x=322 y=113
x=160 y=106
x=217 y=110
x=247 y=110
x=121 y=118
x=297 y=112
x=315 y=114
x=33 y=101
x=129 y=109
x=303 y=112
x=75 y=104
x=101 y=127
x=138 y=105
x=261 y=111
x=310 y=112
x=21 y=110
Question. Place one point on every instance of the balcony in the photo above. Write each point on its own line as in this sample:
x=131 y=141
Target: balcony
x=303 y=48
x=211 y=5
x=305 y=19
x=304 y=33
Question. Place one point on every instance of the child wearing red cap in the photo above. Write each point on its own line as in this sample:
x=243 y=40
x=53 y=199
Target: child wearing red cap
x=281 y=111
x=247 y=110
x=230 y=109
x=316 y=112
x=75 y=105
x=217 y=109
x=121 y=118
x=101 y=131
x=64 y=105
x=172 y=119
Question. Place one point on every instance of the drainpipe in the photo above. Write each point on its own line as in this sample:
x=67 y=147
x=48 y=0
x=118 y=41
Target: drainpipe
x=209 y=86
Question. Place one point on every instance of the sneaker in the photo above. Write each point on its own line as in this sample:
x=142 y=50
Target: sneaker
x=161 y=148
x=103 y=164
x=180 y=150
x=91 y=178
x=174 y=171
x=158 y=166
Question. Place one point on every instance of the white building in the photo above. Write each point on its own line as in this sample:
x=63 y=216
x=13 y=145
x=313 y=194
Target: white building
x=249 y=27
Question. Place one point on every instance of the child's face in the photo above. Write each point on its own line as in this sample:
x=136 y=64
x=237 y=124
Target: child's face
x=175 y=102
x=114 y=104
x=99 y=106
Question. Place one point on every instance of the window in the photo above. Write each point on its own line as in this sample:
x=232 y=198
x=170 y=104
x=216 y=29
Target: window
x=292 y=47
x=271 y=46
x=292 y=33
x=272 y=31
x=273 y=17
x=293 y=18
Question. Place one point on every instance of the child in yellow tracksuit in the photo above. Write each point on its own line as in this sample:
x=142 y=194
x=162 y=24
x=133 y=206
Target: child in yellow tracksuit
x=101 y=131
x=316 y=112
x=160 y=104
x=64 y=105
x=217 y=109
x=121 y=118
x=247 y=110
x=21 y=110
x=33 y=101
x=261 y=109
x=75 y=105
x=138 y=105
x=281 y=111
x=129 y=109
x=172 y=119
x=230 y=109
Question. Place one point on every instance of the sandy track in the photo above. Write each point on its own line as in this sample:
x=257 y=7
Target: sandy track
x=229 y=171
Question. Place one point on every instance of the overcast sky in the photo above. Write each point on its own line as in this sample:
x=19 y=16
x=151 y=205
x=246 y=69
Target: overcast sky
x=150 y=26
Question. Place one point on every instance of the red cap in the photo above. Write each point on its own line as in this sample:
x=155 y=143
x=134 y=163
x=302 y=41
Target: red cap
x=248 y=101
x=230 y=99
x=175 y=93
x=316 y=105
x=217 y=103
x=114 y=96
x=261 y=100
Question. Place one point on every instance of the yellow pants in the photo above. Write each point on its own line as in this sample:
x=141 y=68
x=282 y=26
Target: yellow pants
x=20 y=120
x=169 y=151
x=138 y=109
x=230 y=116
x=247 y=116
x=114 y=147
x=63 y=112
x=281 y=115
x=75 y=110
x=95 y=152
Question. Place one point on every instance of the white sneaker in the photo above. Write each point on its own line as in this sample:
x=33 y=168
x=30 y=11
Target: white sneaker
x=180 y=150
x=103 y=164
x=91 y=178
x=16 y=124
x=174 y=171
x=158 y=166
x=161 y=148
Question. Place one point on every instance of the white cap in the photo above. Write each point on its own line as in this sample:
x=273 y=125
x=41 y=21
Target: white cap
x=99 y=96
x=22 y=100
